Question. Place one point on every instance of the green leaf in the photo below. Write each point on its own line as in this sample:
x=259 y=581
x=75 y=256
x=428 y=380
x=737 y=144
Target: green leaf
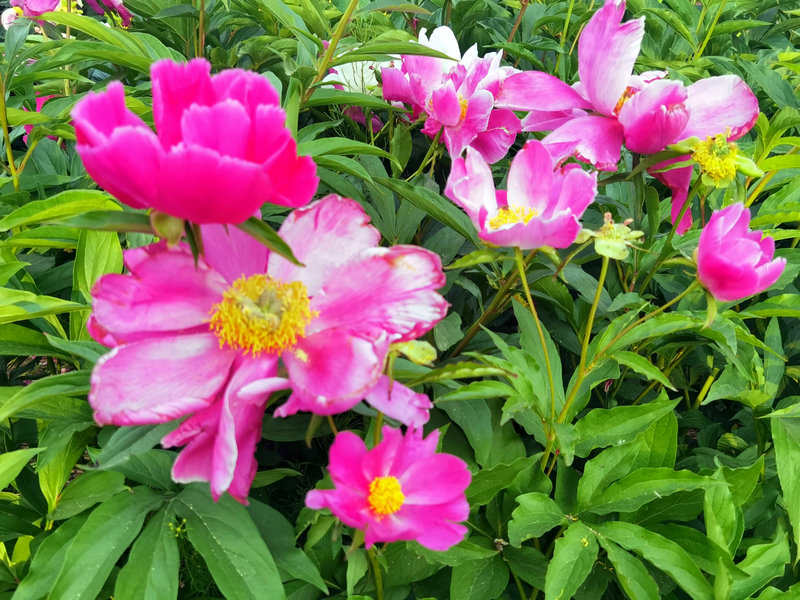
x=11 y=463
x=98 y=545
x=87 y=490
x=536 y=515
x=661 y=553
x=16 y=340
x=111 y=220
x=74 y=383
x=151 y=572
x=641 y=365
x=21 y=305
x=604 y=427
x=478 y=257
x=631 y=573
x=573 y=558
x=487 y=483
x=127 y=441
x=475 y=420
x=479 y=580
x=672 y=19
x=460 y=370
x=464 y=551
x=265 y=478
x=391 y=6
x=327 y=97
x=262 y=232
x=763 y=563
x=227 y=539
x=645 y=485
x=786 y=437
x=338 y=145
x=59 y=207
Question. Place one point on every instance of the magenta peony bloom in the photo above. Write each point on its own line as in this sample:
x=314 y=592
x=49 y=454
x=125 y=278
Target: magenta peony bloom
x=35 y=8
x=206 y=341
x=400 y=490
x=540 y=208
x=734 y=262
x=222 y=149
x=457 y=97
x=112 y=6
x=40 y=100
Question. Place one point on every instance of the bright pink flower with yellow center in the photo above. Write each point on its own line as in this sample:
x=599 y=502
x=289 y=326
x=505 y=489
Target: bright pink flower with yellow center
x=207 y=341
x=400 y=490
x=734 y=262
x=222 y=148
x=540 y=208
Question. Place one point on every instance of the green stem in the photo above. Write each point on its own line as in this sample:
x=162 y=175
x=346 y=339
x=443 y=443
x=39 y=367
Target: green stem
x=376 y=571
x=521 y=268
x=520 y=589
x=6 y=138
x=665 y=250
x=428 y=155
x=322 y=70
x=201 y=29
x=520 y=14
x=710 y=31
x=564 y=31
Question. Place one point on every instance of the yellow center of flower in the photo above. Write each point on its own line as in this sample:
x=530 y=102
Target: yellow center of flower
x=717 y=158
x=626 y=95
x=261 y=314
x=464 y=104
x=385 y=495
x=511 y=215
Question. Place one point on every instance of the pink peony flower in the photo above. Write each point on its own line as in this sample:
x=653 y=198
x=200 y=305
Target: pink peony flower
x=400 y=490
x=35 y=8
x=540 y=208
x=222 y=149
x=116 y=6
x=457 y=97
x=734 y=262
x=206 y=341
x=40 y=100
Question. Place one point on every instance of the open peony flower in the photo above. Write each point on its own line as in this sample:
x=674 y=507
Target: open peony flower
x=734 y=262
x=206 y=341
x=400 y=490
x=457 y=96
x=540 y=208
x=222 y=149
x=35 y=8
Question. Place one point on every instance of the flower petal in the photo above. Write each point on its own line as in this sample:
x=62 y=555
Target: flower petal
x=500 y=134
x=717 y=104
x=593 y=139
x=654 y=117
x=534 y=90
x=232 y=253
x=471 y=186
x=530 y=177
x=399 y=402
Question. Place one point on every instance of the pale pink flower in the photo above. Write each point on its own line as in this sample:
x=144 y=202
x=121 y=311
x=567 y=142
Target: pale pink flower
x=10 y=15
x=540 y=208
x=400 y=490
x=206 y=341
x=222 y=148
x=734 y=262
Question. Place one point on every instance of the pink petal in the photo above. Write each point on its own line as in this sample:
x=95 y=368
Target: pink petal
x=596 y=140
x=549 y=120
x=530 y=177
x=396 y=86
x=346 y=454
x=223 y=127
x=475 y=121
x=399 y=402
x=176 y=87
x=438 y=479
x=576 y=190
x=250 y=89
x=445 y=106
x=537 y=91
x=232 y=253
x=500 y=134
x=200 y=185
x=607 y=50
x=559 y=231
x=654 y=117
x=471 y=186
x=157 y=380
x=678 y=181
x=435 y=524
x=323 y=236
x=390 y=290
x=98 y=114
x=164 y=293
x=717 y=104
x=331 y=371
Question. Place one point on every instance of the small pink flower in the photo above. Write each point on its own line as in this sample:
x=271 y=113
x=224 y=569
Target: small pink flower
x=205 y=341
x=116 y=6
x=35 y=8
x=400 y=490
x=540 y=208
x=734 y=262
x=40 y=100
x=222 y=149
x=9 y=15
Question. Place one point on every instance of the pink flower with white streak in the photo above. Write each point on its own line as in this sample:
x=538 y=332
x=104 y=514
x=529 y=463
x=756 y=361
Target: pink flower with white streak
x=207 y=341
x=540 y=208
x=402 y=489
x=457 y=97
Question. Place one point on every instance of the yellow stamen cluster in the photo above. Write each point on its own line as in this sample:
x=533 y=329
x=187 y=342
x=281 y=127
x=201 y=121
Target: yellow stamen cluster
x=261 y=314
x=464 y=104
x=626 y=95
x=385 y=495
x=511 y=215
x=717 y=158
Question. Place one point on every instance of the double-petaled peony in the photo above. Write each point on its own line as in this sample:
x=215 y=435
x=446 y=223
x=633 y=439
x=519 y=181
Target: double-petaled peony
x=611 y=105
x=400 y=490
x=206 y=341
x=734 y=262
x=540 y=208
x=456 y=95
x=222 y=149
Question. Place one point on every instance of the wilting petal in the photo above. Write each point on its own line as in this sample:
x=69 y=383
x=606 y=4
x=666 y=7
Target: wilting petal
x=323 y=236
x=399 y=402
x=717 y=104
x=534 y=90
x=596 y=140
x=157 y=380
x=654 y=117
x=607 y=50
